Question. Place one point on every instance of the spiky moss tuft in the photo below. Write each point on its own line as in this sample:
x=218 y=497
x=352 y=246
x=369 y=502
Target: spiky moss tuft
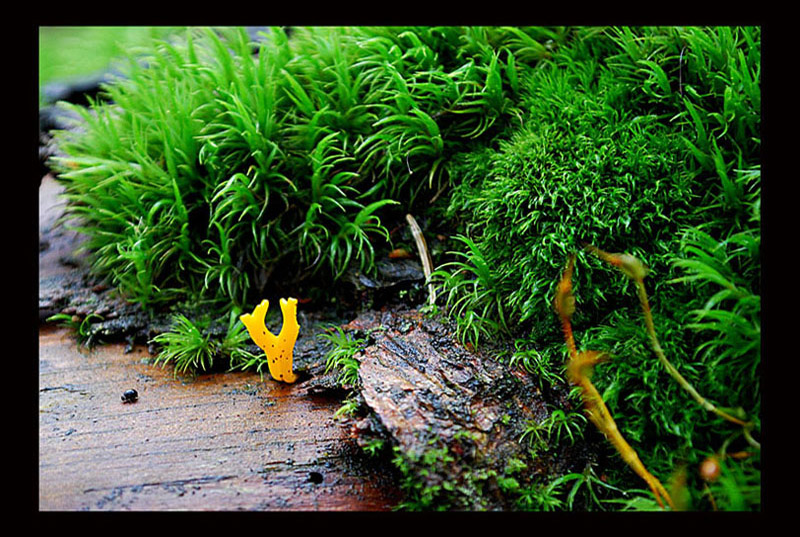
x=218 y=166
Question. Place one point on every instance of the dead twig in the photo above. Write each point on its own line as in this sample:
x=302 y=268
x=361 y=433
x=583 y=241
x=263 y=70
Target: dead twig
x=424 y=254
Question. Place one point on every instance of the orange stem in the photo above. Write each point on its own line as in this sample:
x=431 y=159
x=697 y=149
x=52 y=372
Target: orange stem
x=577 y=371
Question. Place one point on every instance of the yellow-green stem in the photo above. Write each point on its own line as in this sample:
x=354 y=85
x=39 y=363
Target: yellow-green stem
x=651 y=330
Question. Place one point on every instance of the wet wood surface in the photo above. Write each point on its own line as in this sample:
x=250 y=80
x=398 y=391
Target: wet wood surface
x=223 y=441
x=433 y=395
x=235 y=441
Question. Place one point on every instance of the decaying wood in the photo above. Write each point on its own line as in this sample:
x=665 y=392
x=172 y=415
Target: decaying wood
x=225 y=441
x=429 y=392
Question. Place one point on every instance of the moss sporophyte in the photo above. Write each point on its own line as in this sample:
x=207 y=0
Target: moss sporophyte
x=578 y=372
x=636 y=271
x=580 y=365
x=279 y=349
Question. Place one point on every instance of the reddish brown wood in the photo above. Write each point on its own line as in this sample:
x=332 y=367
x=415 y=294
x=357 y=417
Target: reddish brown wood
x=434 y=395
x=221 y=442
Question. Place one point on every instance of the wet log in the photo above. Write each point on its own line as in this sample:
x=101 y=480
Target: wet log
x=457 y=415
x=220 y=441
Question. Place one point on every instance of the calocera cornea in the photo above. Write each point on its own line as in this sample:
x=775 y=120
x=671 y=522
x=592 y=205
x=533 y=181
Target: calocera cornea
x=279 y=349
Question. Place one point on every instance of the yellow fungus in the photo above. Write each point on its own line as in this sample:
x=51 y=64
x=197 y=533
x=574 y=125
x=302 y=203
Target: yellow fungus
x=279 y=349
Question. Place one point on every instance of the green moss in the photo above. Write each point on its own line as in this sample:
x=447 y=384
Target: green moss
x=645 y=141
x=217 y=175
x=341 y=357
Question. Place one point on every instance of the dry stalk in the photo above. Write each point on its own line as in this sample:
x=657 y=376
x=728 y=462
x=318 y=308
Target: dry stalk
x=424 y=255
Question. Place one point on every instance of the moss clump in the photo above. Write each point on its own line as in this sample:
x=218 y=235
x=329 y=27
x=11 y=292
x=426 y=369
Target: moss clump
x=643 y=141
x=218 y=168
x=598 y=159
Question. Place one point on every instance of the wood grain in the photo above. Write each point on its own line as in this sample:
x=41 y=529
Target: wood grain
x=224 y=441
